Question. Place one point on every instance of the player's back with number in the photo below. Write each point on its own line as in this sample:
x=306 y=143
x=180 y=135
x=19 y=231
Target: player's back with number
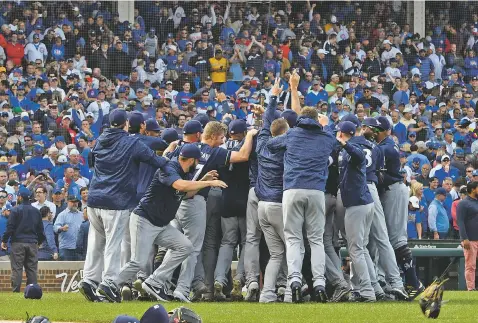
x=392 y=162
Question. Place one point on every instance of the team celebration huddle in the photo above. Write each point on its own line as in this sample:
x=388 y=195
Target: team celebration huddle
x=294 y=180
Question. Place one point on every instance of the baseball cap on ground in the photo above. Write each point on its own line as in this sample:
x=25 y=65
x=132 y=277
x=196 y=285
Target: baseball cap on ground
x=125 y=319
x=237 y=126
x=190 y=151
x=33 y=291
x=118 y=117
x=192 y=126
x=155 y=314
x=347 y=127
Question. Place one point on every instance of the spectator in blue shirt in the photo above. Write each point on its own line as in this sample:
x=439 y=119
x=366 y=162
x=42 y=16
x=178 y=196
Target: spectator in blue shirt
x=316 y=94
x=48 y=249
x=414 y=226
x=82 y=239
x=68 y=183
x=67 y=225
x=437 y=216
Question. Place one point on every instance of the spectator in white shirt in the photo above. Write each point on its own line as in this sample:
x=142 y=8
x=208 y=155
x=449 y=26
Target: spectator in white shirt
x=41 y=201
x=36 y=50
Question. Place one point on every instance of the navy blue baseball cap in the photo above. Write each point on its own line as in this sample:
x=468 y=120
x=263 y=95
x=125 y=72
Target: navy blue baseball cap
x=33 y=291
x=352 y=118
x=125 y=319
x=347 y=127
x=290 y=116
x=384 y=123
x=155 y=314
x=136 y=119
x=169 y=135
x=190 y=151
x=202 y=118
x=192 y=126
x=237 y=126
x=152 y=125
x=24 y=192
x=371 y=122
x=118 y=117
x=440 y=191
x=412 y=133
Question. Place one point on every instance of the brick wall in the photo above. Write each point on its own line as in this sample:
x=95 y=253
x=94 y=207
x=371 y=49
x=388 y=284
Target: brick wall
x=52 y=276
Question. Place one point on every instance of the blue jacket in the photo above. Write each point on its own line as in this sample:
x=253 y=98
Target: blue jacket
x=391 y=154
x=312 y=99
x=3 y=227
x=437 y=217
x=117 y=156
x=48 y=247
x=352 y=174
x=271 y=163
x=38 y=163
x=308 y=147
x=423 y=160
x=82 y=239
x=24 y=225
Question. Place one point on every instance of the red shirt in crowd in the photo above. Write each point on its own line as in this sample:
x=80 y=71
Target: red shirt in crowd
x=15 y=53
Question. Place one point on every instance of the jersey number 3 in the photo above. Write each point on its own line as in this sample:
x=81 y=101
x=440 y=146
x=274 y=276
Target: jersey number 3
x=368 y=157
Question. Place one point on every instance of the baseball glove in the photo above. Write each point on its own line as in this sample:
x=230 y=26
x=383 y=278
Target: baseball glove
x=37 y=319
x=183 y=315
x=431 y=299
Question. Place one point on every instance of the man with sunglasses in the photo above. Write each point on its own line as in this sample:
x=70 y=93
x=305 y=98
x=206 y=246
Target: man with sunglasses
x=371 y=100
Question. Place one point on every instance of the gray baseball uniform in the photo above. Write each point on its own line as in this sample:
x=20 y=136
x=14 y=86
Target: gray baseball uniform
x=271 y=222
x=208 y=257
x=395 y=207
x=380 y=241
x=253 y=238
x=304 y=208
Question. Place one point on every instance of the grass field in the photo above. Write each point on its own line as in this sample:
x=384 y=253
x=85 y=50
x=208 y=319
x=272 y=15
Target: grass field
x=462 y=307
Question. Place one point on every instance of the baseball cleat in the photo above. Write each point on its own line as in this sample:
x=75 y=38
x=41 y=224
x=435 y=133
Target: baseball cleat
x=296 y=290
x=355 y=297
x=320 y=295
x=89 y=291
x=236 y=293
x=126 y=293
x=414 y=293
x=400 y=293
x=252 y=294
x=137 y=285
x=280 y=293
x=341 y=293
x=218 y=294
x=385 y=297
x=155 y=292
x=181 y=297
x=198 y=292
x=111 y=294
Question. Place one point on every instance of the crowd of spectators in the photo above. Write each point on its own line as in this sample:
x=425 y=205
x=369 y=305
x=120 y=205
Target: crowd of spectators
x=64 y=66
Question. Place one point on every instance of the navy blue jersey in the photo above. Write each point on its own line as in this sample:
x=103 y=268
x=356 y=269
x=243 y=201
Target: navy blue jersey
x=269 y=185
x=212 y=158
x=352 y=175
x=332 y=184
x=253 y=164
x=161 y=201
x=391 y=154
x=372 y=157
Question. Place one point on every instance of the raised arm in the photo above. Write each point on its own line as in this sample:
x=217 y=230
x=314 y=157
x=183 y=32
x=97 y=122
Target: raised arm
x=294 y=84
x=246 y=149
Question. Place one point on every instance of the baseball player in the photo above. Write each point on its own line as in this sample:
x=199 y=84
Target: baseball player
x=379 y=240
x=254 y=233
x=358 y=204
x=191 y=215
x=233 y=219
x=333 y=265
x=308 y=147
x=150 y=221
x=269 y=191
x=394 y=197
x=117 y=156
